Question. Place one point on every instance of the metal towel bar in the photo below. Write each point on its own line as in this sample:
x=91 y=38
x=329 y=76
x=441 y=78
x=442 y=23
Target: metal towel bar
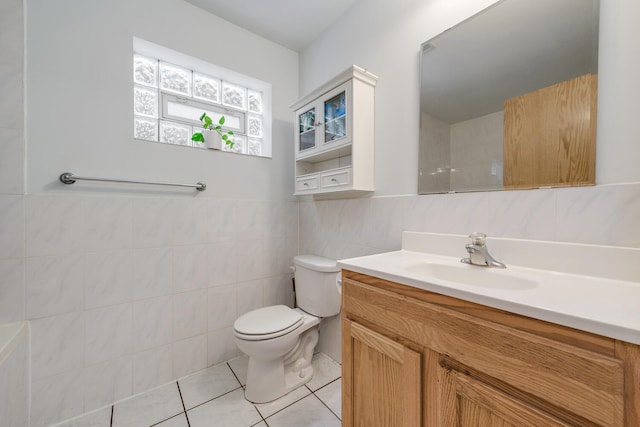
x=69 y=178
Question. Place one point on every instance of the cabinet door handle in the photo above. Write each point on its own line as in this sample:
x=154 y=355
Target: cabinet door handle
x=306 y=184
x=318 y=124
x=334 y=180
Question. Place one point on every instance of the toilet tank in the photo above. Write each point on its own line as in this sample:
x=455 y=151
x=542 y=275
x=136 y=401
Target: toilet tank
x=316 y=289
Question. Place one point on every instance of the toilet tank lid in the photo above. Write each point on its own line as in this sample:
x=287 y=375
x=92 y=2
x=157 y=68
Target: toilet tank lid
x=316 y=263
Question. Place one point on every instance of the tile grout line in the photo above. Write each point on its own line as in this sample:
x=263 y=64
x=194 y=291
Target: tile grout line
x=234 y=374
x=322 y=401
x=183 y=406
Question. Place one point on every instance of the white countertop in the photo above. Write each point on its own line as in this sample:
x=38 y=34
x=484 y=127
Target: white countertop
x=604 y=306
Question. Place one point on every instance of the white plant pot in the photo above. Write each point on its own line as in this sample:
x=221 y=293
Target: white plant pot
x=212 y=139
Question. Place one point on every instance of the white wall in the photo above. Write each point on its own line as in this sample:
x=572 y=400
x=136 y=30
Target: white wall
x=79 y=72
x=384 y=37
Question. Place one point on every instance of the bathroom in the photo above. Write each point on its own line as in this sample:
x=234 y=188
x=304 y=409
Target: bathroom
x=128 y=288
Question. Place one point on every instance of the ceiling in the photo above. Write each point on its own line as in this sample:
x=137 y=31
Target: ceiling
x=290 y=23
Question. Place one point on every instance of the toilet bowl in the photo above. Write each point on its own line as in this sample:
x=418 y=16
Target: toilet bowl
x=280 y=340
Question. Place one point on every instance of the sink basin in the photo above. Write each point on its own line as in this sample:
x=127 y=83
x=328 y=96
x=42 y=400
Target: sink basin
x=473 y=276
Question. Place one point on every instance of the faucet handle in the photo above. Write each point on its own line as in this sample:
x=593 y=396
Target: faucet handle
x=478 y=238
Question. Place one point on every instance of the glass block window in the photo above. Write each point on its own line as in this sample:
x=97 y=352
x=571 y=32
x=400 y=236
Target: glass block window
x=206 y=88
x=234 y=96
x=175 y=79
x=170 y=98
x=145 y=71
x=145 y=129
x=175 y=133
x=146 y=101
x=255 y=101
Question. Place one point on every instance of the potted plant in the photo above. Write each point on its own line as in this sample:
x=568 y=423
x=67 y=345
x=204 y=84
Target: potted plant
x=212 y=135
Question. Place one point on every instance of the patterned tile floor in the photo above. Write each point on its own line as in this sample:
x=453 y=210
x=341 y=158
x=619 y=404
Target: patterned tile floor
x=215 y=397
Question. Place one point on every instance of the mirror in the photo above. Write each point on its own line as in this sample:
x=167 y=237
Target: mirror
x=508 y=97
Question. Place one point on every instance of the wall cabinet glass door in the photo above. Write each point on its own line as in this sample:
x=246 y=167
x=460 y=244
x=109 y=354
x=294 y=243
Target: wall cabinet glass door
x=325 y=123
x=307 y=133
x=335 y=118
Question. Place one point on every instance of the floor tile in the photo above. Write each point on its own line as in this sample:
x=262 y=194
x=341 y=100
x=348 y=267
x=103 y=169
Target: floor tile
x=99 y=418
x=207 y=384
x=308 y=412
x=325 y=370
x=230 y=410
x=177 y=421
x=268 y=409
x=239 y=366
x=331 y=395
x=148 y=408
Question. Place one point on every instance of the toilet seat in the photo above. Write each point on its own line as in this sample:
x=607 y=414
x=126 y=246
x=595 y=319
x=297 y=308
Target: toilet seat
x=268 y=322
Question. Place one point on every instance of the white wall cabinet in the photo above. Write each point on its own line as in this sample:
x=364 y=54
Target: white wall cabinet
x=334 y=135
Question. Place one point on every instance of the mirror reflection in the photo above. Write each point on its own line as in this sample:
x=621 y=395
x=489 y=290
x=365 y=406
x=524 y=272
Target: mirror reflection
x=508 y=99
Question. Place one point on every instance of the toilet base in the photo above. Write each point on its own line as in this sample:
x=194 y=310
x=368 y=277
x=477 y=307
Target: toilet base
x=269 y=380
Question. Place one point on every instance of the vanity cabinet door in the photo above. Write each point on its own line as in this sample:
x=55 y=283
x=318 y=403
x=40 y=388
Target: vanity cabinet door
x=381 y=382
x=472 y=403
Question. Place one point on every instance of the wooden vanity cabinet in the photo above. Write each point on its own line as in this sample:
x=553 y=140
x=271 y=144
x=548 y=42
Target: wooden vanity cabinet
x=415 y=358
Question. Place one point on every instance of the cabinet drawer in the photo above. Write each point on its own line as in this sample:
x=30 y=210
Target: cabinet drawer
x=307 y=183
x=336 y=178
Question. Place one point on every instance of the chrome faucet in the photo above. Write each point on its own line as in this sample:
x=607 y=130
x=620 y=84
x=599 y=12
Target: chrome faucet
x=478 y=252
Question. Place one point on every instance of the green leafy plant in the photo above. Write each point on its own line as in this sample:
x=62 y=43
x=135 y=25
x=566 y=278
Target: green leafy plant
x=207 y=124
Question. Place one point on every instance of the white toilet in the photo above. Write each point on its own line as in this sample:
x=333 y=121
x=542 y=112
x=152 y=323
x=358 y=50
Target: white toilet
x=280 y=340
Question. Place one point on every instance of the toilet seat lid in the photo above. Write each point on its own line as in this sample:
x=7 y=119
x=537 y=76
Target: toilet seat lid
x=268 y=320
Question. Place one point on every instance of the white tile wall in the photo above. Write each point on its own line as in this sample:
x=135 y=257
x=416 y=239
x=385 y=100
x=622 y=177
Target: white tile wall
x=189 y=355
x=11 y=158
x=152 y=323
x=11 y=227
x=108 y=333
x=54 y=225
x=127 y=293
x=152 y=272
x=14 y=378
x=54 y=285
x=189 y=314
x=221 y=346
x=223 y=304
x=108 y=278
x=108 y=223
x=57 y=398
x=152 y=368
x=107 y=382
x=189 y=268
x=57 y=344
x=11 y=290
